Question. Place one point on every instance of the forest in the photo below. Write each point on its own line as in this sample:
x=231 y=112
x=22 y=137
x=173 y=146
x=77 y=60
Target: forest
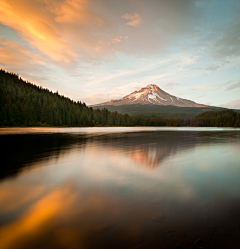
x=25 y=104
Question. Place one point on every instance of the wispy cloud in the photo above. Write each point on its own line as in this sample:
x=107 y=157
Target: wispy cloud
x=233 y=86
x=227 y=83
x=170 y=85
x=12 y=53
x=206 y=87
x=212 y=68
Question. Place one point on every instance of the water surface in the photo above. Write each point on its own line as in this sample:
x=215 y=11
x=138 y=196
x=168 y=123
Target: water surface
x=120 y=188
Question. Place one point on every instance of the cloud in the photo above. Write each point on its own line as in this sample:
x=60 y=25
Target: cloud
x=13 y=53
x=220 y=37
x=170 y=85
x=206 y=87
x=70 y=30
x=233 y=86
x=212 y=68
x=21 y=59
x=112 y=94
x=54 y=28
x=199 y=97
x=235 y=104
x=135 y=19
x=227 y=83
x=196 y=68
x=117 y=39
x=36 y=26
x=97 y=98
x=228 y=43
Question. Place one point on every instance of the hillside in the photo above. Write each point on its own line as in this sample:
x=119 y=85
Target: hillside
x=25 y=104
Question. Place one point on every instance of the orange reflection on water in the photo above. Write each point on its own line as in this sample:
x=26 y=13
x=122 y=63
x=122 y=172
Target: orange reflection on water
x=143 y=157
x=37 y=220
x=10 y=193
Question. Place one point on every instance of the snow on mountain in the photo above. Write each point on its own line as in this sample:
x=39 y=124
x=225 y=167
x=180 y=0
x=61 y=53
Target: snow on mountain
x=152 y=95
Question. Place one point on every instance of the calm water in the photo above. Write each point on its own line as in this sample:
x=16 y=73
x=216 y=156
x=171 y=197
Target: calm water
x=120 y=188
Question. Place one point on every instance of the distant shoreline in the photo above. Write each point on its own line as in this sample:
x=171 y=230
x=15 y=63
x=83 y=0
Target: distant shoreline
x=101 y=126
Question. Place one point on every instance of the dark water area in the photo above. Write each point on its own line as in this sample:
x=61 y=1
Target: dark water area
x=120 y=188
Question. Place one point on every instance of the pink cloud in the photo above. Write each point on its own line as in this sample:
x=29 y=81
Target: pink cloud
x=235 y=104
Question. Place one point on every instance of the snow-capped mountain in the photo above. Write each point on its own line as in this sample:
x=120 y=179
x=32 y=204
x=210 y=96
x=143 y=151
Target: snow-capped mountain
x=152 y=95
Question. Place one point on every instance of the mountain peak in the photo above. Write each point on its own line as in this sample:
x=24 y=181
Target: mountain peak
x=152 y=85
x=152 y=95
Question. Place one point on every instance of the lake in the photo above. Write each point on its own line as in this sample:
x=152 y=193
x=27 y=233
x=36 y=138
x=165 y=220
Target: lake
x=120 y=187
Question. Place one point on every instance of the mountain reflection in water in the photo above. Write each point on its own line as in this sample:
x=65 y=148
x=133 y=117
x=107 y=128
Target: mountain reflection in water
x=149 y=189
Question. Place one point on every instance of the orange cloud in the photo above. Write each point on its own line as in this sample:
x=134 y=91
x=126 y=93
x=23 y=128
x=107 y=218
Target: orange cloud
x=54 y=28
x=75 y=11
x=69 y=31
x=135 y=19
x=12 y=53
x=29 y=19
x=118 y=39
x=21 y=59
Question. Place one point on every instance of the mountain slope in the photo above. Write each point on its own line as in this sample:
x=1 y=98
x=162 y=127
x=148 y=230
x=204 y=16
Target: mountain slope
x=151 y=95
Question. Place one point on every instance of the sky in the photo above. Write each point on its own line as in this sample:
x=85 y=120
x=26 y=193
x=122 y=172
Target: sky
x=98 y=50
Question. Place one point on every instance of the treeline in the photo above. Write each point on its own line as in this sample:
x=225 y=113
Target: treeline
x=225 y=118
x=24 y=104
